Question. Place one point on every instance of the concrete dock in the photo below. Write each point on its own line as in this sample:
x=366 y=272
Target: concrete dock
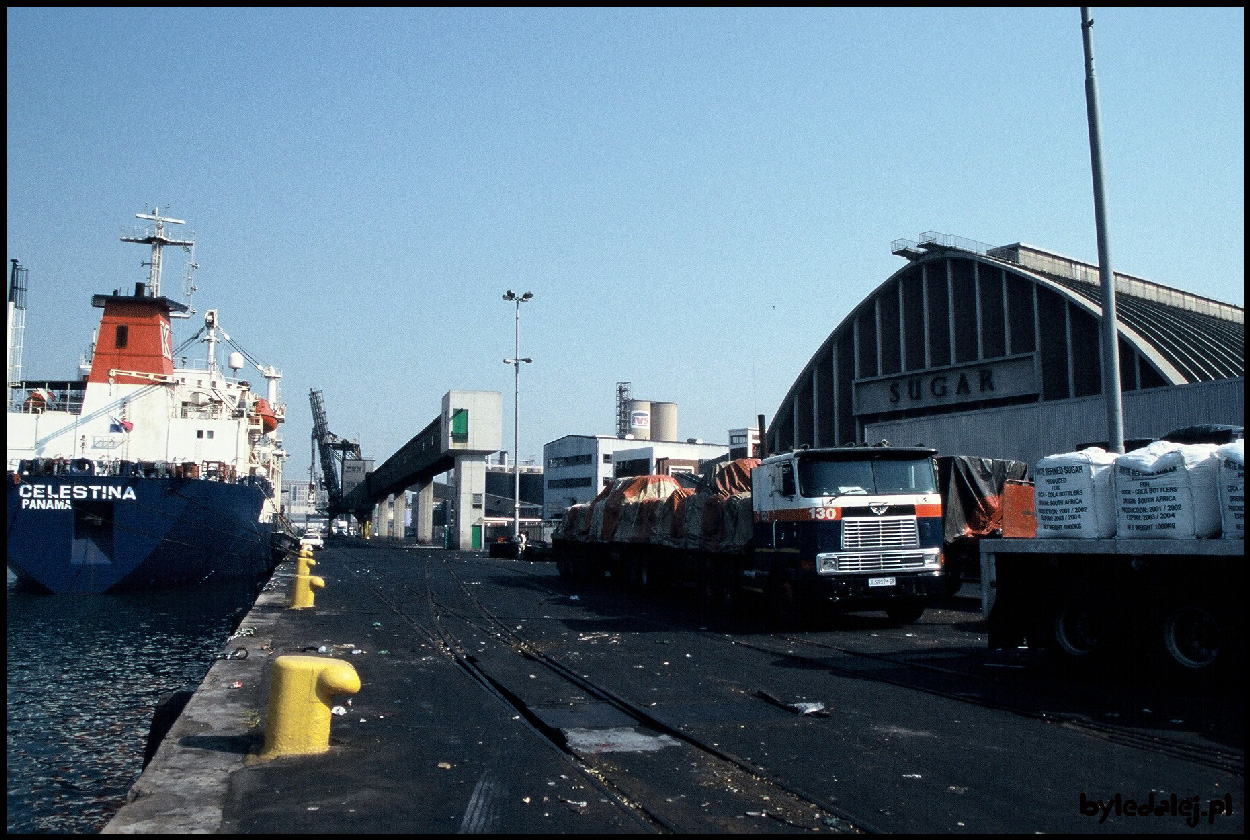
x=420 y=749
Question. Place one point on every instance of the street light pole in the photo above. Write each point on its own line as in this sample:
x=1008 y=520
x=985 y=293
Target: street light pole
x=515 y=361
x=1110 y=326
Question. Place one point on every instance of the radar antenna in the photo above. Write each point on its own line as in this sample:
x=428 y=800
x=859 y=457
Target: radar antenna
x=155 y=236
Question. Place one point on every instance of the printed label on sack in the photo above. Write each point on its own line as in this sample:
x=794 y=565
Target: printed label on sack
x=1146 y=506
x=1233 y=498
x=1073 y=498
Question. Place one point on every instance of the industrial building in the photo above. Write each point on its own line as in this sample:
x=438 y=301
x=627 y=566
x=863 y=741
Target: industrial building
x=303 y=503
x=500 y=508
x=995 y=352
x=744 y=443
x=666 y=458
x=577 y=467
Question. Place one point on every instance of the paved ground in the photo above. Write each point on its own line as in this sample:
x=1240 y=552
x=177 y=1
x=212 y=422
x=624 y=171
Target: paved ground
x=450 y=758
x=436 y=743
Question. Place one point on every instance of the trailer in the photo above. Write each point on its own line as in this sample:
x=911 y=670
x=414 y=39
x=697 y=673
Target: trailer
x=1136 y=558
x=1091 y=602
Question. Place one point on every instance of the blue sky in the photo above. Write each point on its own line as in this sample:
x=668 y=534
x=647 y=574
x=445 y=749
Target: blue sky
x=695 y=197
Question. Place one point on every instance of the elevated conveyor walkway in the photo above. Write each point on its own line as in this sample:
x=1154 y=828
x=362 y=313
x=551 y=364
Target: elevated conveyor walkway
x=458 y=440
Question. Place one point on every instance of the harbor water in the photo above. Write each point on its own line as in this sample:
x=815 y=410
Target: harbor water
x=85 y=674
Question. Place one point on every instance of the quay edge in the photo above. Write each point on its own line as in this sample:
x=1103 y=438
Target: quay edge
x=182 y=791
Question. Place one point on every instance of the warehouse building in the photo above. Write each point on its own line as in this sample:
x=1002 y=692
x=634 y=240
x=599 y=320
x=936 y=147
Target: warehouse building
x=995 y=352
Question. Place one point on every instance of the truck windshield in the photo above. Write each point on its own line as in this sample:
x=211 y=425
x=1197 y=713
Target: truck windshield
x=863 y=478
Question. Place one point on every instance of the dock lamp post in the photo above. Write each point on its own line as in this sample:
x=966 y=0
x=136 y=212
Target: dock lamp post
x=515 y=361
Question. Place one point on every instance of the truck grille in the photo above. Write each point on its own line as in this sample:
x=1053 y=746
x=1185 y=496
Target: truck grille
x=880 y=532
x=877 y=561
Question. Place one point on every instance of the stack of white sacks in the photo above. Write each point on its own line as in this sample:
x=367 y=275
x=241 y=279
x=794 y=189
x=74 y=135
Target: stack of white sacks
x=1162 y=491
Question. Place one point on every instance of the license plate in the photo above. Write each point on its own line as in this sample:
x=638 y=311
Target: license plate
x=885 y=581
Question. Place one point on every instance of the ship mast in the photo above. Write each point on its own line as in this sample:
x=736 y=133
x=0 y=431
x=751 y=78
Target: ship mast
x=155 y=236
x=17 y=325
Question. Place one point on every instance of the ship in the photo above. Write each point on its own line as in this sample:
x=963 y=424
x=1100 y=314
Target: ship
x=144 y=471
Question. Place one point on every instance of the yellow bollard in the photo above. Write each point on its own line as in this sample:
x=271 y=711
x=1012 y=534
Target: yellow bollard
x=305 y=561
x=304 y=591
x=300 y=694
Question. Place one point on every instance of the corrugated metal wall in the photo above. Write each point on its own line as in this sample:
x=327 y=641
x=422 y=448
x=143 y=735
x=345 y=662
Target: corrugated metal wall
x=1030 y=432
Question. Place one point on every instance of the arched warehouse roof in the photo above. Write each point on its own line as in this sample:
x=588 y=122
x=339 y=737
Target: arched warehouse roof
x=964 y=328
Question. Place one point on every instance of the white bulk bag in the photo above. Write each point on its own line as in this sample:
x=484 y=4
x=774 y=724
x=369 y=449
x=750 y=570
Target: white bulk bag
x=1168 y=491
x=1074 y=495
x=1233 y=489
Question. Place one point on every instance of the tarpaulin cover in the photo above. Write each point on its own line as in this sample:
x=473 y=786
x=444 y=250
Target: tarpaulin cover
x=576 y=523
x=667 y=529
x=573 y=526
x=972 y=493
x=639 y=518
x=656 y=509
x=621 y=507
x=733 y=477
x=640 y=502
x=718 y=517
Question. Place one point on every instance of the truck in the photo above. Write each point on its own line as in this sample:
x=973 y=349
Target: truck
x=1092 y=603
x=812 y=531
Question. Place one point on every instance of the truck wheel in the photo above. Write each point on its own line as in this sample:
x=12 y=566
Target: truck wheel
x=1077 y=632
x=596 y=571
x=717 y=597
x=644 y=578
x=1193 y=639
x=786 y=608
x=636 y=574
x=952 y=583
x=905 y=612
x=587 y=570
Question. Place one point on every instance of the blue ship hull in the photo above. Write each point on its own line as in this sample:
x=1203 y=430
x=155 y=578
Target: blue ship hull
x=90 y=534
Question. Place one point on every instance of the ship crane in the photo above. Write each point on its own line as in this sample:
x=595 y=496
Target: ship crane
x=332 y=451
x=209 y=332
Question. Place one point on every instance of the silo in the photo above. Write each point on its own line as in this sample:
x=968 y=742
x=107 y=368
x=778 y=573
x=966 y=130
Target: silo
x=640 y=419
x=663 y=421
